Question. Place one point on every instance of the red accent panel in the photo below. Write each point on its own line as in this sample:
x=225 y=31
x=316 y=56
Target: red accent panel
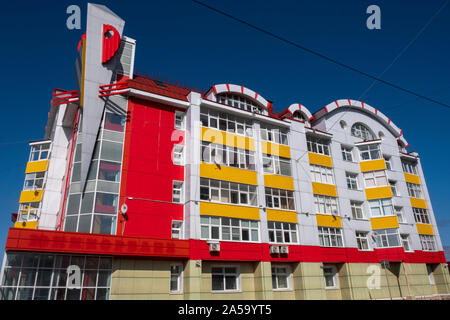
x=85 y=243
x=362 y=105
x=376 y=111
x=111 y=44
x=214 y=88
x=311 y=119
x=148 y=170
x=337 y=104
x=81 y=41
x=228 y=87
x=242 y=89
x=261 y=252
x=326 y=109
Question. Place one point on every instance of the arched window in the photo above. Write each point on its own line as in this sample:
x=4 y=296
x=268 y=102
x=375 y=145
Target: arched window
x=237 y=101
x=361 y=131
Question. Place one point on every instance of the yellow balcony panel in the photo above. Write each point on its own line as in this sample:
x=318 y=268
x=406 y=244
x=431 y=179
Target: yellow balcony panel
x=424 y=229
x=278 y=182
x=30 y=196
x=276 y=149
x=327 y=220
x=372 y=165
x=36 y=166
x=282 y=215
x=418 y=203
x=213 y=171
x=227 y=138
x=412 y=178
x=228 y=210
x=378 y=193
x=324 y=189
x=320 y=159
x=26 y=225
x=384 y=222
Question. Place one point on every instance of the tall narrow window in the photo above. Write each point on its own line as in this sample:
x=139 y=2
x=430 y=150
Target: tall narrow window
x=281 y=278
x=176 y=278
x=176 y=229
x=179 y=120
x=330 y=275
x=357 y=209
x=352 y=180
x=405 y=242
x=177 y=192
x=362 y=240
x=347 y=154
x=178 y=155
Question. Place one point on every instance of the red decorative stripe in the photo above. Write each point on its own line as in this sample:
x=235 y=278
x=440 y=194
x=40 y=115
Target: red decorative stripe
x=349 y=103
x=401 y=132
x=337 y=104
x=376 y=111
x=362 y=105
x=228 y=87
x=242 y=89
x=311 y=118
x=256 y=95
x=389 y=121
x=214 y=88
x=326 y=109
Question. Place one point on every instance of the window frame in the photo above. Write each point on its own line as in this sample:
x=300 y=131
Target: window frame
x=326 y=233
x=362 y=236
x=278 y=231
x=428 y=242
x=322 y=203
x=353 y=181
x=318 y=145
x=180 y=159
x=421 y=215
x=346 y=151
x=223 y=225
x=237 y=274
x=361 y=131
x=322 y=174
x=334 y=275
x=277 y=195
x=383 y=235
x=277 y=273
x=382 y=207
x=179 y=279
x=373 y=152
x=414 y=190
x=405 y=238
x=180 y=189
x=354 y=206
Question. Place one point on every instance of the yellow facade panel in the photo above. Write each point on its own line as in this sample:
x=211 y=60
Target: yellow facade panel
x=227 y=138
x=275 y=149
x=278 y=182
x=30 y=196
x=424 y=229
x=26 y=225
x=378 y=193
x=320 y=159
x=282 y=215
x=384 y=222
x=412 y=178
x=213 y=171
x=418 y=203
x=326 y=220
x=372 y=165
x=36 y=166
x=324 y=189
x=231 y=211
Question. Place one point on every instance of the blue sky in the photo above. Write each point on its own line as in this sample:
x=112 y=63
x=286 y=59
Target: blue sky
x=183 y=41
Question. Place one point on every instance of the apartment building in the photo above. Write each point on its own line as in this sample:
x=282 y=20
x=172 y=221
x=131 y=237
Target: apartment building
x=145 y=189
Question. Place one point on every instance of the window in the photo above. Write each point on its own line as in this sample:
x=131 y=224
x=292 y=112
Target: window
x=330 y=275
x=421 y=215
x=409 y=167
x=274 y=135
x=227 y=192
x=370 y=152
x=39 y=152
x=361 y=131
x=177 y=192
x=36 y=276
x=179 y=120
x=375 y=178
x=352 y=180
x=393 y=185
x=318 y=145
x=279 y=199
x=176 y=229
x=282 y=232
x=176 y=277
x=330 y=237
x=114 y=122
x=178 y=155
x=386 y=238
x=109 y=171
x=362 y=240
x=225 y=122
x=228 y=229
x=414 y=190
x=347 y=153
x=281 y=278
x=387 y=161
x=399 y=213
x=28 y=211
x=405 y=242
x=430 y=274
x=325 y=204
x=227 y=156
x=225 y=278
x=321 y=174
x=34 y=181
x=427 y=242
x=237 y=101
x=357 y=210
x=276 y=165
x=381 y=207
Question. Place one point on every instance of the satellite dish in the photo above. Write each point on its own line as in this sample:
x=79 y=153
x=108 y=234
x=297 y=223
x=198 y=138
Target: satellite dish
x=124 y=209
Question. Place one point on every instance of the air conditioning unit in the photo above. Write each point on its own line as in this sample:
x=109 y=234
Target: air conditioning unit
x=214 y=247
x=284 y=249
x=274 y=249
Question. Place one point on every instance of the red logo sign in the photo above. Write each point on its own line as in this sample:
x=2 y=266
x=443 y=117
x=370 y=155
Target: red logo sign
x=111 y=42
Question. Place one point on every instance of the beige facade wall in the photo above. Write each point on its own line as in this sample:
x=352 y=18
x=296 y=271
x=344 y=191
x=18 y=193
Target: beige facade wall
x=143 y=278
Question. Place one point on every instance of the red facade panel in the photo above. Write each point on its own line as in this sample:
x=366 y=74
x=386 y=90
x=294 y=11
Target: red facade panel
x=148 y=170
